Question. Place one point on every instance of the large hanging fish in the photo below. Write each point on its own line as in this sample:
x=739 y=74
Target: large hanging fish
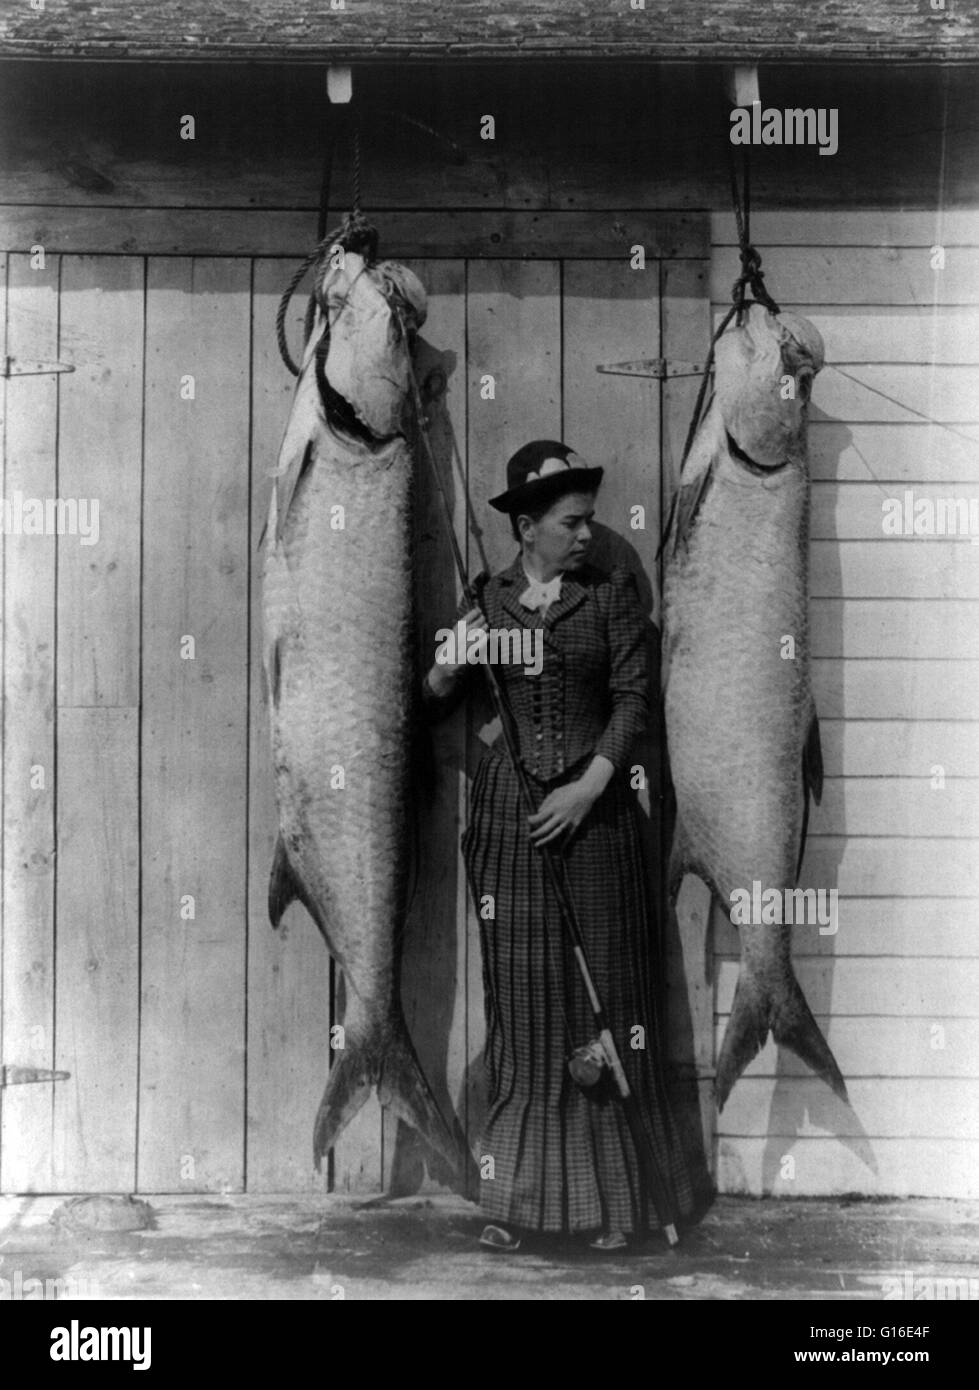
x=741 y=722
x=337 y=609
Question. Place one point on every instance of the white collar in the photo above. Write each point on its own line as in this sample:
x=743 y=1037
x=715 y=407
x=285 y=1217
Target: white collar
x=538 y=594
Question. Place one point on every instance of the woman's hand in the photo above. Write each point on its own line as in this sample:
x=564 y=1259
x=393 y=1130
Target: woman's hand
x=443 y=674
x=563 y=810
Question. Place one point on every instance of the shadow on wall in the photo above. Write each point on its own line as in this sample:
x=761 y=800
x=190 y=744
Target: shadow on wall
x=432 y=962
x=674 y=1022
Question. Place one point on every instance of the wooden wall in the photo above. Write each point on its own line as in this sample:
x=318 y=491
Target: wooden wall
x=895 y=674
x=198 y=1048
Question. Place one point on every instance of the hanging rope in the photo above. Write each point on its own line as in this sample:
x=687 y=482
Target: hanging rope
x=751 y=272
x=356 y=179
x=354 y=233
x=751 y=277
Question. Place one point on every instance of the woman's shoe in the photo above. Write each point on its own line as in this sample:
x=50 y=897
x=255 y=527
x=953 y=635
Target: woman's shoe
x=609 y=1241
x=498 y=1238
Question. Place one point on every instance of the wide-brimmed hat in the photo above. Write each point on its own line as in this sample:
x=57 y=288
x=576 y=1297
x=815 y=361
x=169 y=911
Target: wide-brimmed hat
x=541 y=472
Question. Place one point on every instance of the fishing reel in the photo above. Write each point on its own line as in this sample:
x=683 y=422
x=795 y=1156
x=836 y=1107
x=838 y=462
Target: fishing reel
x=587 y=1064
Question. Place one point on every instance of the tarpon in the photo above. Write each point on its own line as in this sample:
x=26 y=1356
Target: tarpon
x=742 y=730
x=337 y=601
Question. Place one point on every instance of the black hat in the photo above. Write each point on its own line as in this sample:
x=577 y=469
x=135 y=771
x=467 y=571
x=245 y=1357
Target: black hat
x=541 y=472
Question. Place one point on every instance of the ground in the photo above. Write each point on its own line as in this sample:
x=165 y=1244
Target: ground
x=327 y=1247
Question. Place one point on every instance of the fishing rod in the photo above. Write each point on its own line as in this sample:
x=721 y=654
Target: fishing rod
x=554 y=867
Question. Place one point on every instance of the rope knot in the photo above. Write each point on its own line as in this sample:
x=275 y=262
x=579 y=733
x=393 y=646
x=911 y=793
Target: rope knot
x=752 y=276
x=750 y=263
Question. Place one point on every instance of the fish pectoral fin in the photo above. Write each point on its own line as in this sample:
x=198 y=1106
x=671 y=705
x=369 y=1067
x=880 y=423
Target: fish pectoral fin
x=812 y=760
x=273 y=670
x=286 y=487
x=688 y=501
x=695 y=480
x=812 y=783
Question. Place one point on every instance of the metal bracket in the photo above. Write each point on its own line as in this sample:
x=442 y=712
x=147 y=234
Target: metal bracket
x=28 y=1076
x=16 y=366
x=659 y=367
x=742 y=85
x=339 y=84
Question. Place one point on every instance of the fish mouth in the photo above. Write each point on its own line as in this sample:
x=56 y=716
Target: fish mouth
x=760 y=470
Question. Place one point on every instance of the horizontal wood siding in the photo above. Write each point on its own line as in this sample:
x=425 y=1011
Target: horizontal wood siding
x=894 y=624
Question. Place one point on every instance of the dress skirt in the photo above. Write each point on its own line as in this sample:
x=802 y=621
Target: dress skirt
x=563 y=1158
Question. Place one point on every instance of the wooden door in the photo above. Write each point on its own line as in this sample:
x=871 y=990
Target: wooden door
x=137 y=809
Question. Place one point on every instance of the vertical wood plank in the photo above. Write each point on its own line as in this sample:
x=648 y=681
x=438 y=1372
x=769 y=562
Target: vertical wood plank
x=194 y=731
x=514 y=332
x=97 y=986
x=611 y=314
x=29 y=730
x=289 y=969
x=514 y=325
x=98 y=950
x=686 y=329
x=99 y=443
x=433 y=973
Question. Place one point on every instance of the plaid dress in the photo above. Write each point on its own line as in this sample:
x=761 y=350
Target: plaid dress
x=563 y=1158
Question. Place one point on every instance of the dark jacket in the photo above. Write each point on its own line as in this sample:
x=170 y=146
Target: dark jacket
x=592 y=694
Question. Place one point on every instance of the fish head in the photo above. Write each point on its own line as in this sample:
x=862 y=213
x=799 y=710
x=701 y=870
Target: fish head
x=367 y=361
x=763 y=382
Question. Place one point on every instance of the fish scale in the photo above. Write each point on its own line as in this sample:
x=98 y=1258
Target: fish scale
x=337 y=590
x=741 y=726
x=345 y=696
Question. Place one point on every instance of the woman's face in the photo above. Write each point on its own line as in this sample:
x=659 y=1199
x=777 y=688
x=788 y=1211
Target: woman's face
x=561 y=538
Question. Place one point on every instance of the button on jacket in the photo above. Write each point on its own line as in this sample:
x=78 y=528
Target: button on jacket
x=591 y=696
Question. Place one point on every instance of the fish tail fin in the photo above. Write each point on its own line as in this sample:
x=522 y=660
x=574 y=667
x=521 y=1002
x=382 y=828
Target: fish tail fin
x=793 y=1026
x=404 y=1087
x=385 y=1058
x=745 y=1035
x=754 y=1013
x=351 y=1077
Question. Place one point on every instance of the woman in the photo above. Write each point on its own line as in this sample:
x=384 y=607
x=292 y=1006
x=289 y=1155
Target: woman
x=563 y=1159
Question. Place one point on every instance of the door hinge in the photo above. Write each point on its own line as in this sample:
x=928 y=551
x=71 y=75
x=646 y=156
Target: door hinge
x=27 y=1076
x=658 y=367
x=19 y=366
